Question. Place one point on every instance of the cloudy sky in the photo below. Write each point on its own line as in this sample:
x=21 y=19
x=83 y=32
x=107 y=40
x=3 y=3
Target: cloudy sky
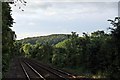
x=55 y=17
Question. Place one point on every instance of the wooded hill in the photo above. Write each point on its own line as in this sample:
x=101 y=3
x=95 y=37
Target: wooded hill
x=50 y=39
x=92 y=54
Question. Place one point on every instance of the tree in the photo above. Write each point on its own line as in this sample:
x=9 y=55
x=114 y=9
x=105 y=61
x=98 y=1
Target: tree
x=115 y=63
x=59 y=57
x=17 y=48
x=45 y=53
x=35 y=50
x=27 y=48
x=8 y=36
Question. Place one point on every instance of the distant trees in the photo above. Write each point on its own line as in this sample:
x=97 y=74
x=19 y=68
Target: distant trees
x=27 y=48
x=46 y=52
x=17 y=48
x=50 y=39
x=59 y=55
x=96 y=53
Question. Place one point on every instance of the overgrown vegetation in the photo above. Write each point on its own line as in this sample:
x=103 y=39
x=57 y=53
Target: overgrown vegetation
x=8 y=36
x=92 y=54
x=97 y=53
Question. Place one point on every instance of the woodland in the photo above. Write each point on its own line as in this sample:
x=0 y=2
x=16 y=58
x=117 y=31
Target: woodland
x=96 y=53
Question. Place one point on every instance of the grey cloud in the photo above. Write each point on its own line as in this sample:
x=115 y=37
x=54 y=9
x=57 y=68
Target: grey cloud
x=32 y=7
x=39 y=6
x=80 y=0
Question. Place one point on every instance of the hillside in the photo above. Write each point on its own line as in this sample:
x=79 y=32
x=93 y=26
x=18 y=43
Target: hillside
x=50 y=39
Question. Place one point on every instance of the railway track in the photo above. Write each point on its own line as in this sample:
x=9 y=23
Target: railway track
x=61 y=74
x=30 y=72
x=27 y=69
x=33 y=70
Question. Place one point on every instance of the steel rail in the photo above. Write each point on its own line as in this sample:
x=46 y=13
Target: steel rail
x=45 y=68
x=35 y=71
x=25 y=71
x=60 y=71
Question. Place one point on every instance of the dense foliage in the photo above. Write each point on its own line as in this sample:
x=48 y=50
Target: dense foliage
x=96 y=53
x=50 y=39
x=8 y=36
x=115 y=55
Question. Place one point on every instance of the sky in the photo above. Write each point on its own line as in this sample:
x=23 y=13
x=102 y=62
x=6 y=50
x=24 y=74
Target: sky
x=62 y=17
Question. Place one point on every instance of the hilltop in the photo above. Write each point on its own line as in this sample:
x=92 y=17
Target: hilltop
x=49 y=39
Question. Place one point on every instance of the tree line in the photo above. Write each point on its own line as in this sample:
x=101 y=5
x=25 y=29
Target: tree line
x=95 y=53
x=8 y=36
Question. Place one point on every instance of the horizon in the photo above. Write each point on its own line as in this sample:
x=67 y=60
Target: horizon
x=80 y=35
x=45 y=18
